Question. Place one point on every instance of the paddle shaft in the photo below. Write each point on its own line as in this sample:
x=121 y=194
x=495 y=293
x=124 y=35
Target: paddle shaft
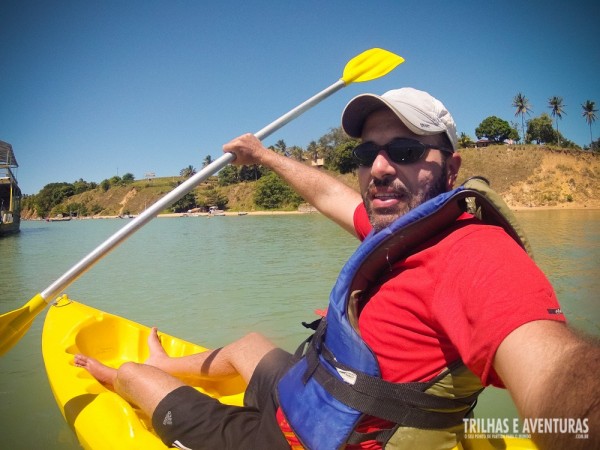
x=52 y=291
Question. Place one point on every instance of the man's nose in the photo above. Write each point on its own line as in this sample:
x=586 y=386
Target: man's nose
x=383 y=166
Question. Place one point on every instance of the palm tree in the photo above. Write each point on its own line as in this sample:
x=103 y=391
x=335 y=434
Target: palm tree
x=523 y=107
x=188 y=171
x=557 y=107
x=589 y=112
x=464 y=140
x=207 y=161
x=281 y=147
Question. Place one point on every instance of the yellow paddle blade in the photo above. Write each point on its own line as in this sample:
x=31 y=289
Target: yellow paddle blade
x=371 y=64
x=14 y=324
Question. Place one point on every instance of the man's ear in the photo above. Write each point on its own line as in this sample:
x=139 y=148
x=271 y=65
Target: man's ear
x=452 y=166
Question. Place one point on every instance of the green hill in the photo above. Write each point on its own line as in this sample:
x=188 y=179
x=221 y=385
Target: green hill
x=526 y=176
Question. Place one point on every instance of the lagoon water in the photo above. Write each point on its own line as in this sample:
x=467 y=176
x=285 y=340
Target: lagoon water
x=213 y=280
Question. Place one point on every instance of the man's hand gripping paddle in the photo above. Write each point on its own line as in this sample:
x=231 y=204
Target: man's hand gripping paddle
x=369 y=65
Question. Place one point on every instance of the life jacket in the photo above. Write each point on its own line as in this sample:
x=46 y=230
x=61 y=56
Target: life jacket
x=337 y=381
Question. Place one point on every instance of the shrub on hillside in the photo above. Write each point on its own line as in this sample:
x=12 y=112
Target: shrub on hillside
x=271 y=192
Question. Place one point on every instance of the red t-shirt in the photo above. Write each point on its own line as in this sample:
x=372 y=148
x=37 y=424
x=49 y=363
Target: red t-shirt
x=457 y=297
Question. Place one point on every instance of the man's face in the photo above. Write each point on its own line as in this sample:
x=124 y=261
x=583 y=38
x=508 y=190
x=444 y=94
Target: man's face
x=390 y=190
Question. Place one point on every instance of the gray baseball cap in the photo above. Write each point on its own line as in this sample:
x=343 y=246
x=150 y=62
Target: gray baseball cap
x=419 y=111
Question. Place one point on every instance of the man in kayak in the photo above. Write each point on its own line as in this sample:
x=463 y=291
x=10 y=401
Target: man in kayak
x=464 y=310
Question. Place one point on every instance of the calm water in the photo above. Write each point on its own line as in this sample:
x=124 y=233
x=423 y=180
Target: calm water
x=213 y=280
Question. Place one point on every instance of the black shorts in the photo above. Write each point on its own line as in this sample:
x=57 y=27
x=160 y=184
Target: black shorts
x=186 y=418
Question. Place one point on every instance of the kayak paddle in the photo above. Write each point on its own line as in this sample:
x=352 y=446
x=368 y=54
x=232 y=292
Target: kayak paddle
x=369 y=65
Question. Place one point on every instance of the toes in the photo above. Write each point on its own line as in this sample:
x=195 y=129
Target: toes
x=154 y=338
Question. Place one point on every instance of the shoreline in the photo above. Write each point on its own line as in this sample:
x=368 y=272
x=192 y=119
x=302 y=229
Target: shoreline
x=563 y=207
x=553 y=208
x=276 y=213
x=238 y=213
x=191 y=215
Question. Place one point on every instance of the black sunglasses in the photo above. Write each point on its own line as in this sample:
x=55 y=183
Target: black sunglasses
x=400 y=151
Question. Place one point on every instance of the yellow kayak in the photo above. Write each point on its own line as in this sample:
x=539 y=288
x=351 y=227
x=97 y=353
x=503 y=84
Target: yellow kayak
x=100 y=418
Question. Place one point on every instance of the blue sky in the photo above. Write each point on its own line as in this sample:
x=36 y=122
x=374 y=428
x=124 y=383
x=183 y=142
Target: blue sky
x=92 y=89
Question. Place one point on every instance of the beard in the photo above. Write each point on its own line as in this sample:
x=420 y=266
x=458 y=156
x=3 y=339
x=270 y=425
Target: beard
x=383 y=217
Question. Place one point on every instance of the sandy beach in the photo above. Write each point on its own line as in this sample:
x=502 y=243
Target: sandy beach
x=310 y=210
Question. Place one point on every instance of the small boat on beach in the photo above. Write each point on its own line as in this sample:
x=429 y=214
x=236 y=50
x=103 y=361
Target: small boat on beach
x=10 y=194
x=59 y=218
x=215 y=211
x=102 y=419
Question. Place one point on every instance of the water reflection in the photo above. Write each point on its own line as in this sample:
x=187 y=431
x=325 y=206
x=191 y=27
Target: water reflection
x=567 y=248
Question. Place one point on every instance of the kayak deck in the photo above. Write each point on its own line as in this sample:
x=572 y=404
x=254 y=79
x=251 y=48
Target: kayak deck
x=102 y=419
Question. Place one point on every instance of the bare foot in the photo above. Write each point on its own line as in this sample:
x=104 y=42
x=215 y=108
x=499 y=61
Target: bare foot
x=104 y=374
x=158 y=356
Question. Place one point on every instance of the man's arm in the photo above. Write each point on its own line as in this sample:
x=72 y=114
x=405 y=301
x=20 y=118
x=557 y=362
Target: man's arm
x=551 y=372
x=330 y=196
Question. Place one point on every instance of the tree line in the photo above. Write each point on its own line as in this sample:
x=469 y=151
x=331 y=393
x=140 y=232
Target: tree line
x=539 y=130
x=333 y=151
x=45 y=202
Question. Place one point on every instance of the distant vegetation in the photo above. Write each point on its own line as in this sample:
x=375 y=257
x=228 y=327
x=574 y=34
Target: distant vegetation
x=49 y=199
x=257 y=188
x=525 y=175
